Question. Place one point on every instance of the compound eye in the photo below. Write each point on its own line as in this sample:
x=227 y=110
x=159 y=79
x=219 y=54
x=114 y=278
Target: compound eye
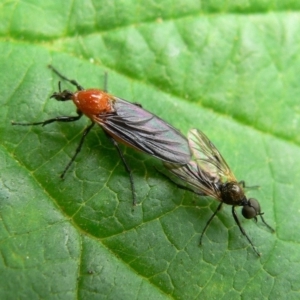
x=252 y=209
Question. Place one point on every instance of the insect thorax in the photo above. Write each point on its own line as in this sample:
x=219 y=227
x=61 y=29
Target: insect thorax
x=232 y=193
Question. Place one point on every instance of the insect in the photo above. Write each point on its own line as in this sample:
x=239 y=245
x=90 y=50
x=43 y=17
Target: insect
x=123 y=122
x=208 y=174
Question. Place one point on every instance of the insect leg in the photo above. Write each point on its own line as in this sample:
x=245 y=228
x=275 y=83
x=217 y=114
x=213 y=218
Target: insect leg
x=85 y=133
x=208 y=222
x=72 y=81
x=57 y=119
x=127 y=169
x=237 y=221
x=243 y=184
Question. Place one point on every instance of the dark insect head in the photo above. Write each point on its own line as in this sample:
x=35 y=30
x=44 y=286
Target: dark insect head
x=251 y=209
x=64 y=95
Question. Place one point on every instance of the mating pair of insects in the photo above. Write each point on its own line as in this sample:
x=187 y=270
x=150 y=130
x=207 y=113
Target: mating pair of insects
x=194 y=160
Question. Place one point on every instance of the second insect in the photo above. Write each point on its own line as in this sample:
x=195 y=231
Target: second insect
x=123 y=122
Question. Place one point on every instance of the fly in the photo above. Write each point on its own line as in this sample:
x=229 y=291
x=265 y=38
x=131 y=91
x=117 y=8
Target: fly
x=208 y=174
x=123 y=122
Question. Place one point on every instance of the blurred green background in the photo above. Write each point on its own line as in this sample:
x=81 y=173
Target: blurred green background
x=229 y=68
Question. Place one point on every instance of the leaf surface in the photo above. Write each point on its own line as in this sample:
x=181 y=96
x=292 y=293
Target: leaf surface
x=229 y=68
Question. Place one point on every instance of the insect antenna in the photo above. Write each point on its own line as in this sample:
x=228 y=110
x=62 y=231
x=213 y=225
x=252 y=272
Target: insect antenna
x=263 y=220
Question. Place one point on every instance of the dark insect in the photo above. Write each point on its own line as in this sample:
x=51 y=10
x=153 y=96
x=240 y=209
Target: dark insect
x=123 y=122
x=208 y=174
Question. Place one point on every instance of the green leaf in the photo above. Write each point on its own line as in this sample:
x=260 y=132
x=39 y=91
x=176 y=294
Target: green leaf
x=229 y=68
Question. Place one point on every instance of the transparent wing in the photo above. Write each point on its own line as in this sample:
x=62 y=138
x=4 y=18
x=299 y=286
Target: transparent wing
x=208 y=158
x=196 y=179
